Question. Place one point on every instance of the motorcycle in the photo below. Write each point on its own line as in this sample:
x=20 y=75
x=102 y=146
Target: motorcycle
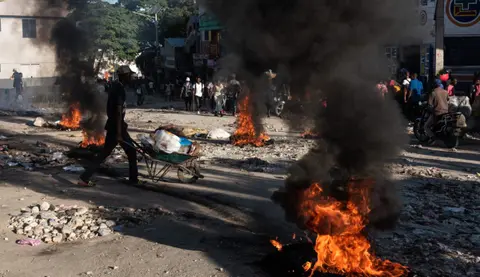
x=280 y=99
x=448 y=128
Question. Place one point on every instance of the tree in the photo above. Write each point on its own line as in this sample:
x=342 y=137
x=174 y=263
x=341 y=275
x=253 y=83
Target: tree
x=143 y=5
x=173 y=17
x=112 y=29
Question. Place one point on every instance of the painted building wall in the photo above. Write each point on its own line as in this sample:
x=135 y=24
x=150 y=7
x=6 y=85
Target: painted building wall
x=35 y=60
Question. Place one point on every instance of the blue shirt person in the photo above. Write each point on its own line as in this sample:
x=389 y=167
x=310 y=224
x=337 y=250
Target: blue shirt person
x=416 y=88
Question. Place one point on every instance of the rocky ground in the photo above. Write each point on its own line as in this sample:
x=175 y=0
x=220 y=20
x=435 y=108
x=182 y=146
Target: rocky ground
x=221 y=224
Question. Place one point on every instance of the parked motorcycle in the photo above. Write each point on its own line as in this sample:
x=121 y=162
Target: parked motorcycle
x=282 y=95
x=448 y=128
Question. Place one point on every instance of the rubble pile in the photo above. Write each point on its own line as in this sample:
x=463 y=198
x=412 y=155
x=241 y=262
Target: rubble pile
x=55 y=224
x=29 y=160
x=42 y=156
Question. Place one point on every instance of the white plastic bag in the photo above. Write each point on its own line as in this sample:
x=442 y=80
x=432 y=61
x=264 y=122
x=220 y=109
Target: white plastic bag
x=146 y=140
x=166 y=142
x=218 y=134
x=460 y=104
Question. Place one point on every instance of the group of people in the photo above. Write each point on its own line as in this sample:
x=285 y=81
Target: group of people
x=411 y=91
x=219 y=95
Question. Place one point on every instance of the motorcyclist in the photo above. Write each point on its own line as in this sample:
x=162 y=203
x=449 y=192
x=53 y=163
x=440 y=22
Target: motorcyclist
x=270 y=91
x=438 y=100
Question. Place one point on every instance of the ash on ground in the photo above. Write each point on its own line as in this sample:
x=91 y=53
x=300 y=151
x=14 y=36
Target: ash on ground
x=56 y=224
x=438 y=232
x=275 y=158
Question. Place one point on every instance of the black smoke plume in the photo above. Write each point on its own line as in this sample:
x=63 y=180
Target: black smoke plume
x=333 y=50
x=75 y=60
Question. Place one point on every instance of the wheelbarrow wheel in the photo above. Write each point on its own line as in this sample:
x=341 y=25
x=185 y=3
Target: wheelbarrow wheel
x=190 y=175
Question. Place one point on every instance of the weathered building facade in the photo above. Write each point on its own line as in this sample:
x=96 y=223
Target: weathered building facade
x=23 y=31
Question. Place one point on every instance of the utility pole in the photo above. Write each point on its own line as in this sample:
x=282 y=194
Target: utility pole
x=439 y=34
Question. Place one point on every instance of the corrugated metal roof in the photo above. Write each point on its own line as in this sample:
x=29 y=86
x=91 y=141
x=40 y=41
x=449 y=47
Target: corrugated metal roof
x=176 y=42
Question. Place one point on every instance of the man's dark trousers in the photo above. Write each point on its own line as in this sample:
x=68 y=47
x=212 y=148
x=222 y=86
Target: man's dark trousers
x=110 y=144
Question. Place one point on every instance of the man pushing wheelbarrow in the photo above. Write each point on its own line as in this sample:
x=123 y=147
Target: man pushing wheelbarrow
x=116 y=131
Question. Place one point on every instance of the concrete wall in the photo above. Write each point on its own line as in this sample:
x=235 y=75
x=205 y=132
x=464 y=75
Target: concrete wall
x=34 y=59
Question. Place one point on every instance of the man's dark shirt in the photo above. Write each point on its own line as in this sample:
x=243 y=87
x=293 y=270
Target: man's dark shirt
x=116 y=97
x=17 y=80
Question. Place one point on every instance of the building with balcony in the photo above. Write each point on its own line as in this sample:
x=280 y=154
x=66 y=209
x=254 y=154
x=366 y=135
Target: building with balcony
x=23 y=30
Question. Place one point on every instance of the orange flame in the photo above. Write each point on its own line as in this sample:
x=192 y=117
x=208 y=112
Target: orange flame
x=307 y=266
x=276 y=244
x=245 y=133
x=92 y=139
x=72 y=118
x=341 y=248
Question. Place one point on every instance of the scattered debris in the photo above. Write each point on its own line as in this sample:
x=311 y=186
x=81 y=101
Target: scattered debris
x=31 y=242
x=218 y=134
x=74 y=168
x=39 y=122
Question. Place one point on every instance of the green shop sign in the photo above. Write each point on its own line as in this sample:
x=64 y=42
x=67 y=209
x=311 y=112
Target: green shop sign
x=209 y=22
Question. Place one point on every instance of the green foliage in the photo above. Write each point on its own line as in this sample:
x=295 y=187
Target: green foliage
x=111 y=28
x=119 y=31
x=173 y=16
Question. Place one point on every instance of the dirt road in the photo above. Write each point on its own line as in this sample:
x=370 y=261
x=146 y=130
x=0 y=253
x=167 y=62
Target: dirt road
x=222 y=224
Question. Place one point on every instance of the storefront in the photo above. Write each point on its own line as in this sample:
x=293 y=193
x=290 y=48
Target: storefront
x=462 y=40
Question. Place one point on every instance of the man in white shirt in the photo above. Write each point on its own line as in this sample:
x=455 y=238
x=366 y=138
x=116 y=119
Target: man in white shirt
x=406 y=86
x=198 y=88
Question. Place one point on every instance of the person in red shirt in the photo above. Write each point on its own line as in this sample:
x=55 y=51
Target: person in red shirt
x=451 y=87
x=382 y=88
x=476 y=97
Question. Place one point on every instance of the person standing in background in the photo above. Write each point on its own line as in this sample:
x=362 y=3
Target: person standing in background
x=17 y=78
x=414 y=96
x=186 y=94
x=168 y=91
x=219 y=97
x=406 y=86
x=233 y=91
x=198 y=89
x=210 y=95
x=451 y=87
x=475 y=94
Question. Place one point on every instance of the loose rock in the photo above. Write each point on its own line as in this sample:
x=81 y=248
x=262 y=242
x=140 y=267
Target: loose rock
x=56 y=224
x=44 y=206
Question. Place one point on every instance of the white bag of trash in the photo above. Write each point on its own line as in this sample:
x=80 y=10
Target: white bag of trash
x=218 y=134
x=166 y=142
x=39 y=122
x=460 y=104
x=146 y=140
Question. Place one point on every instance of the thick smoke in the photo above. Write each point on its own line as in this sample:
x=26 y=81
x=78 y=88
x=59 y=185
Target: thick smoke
x=334 y=50
x=75 y=61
